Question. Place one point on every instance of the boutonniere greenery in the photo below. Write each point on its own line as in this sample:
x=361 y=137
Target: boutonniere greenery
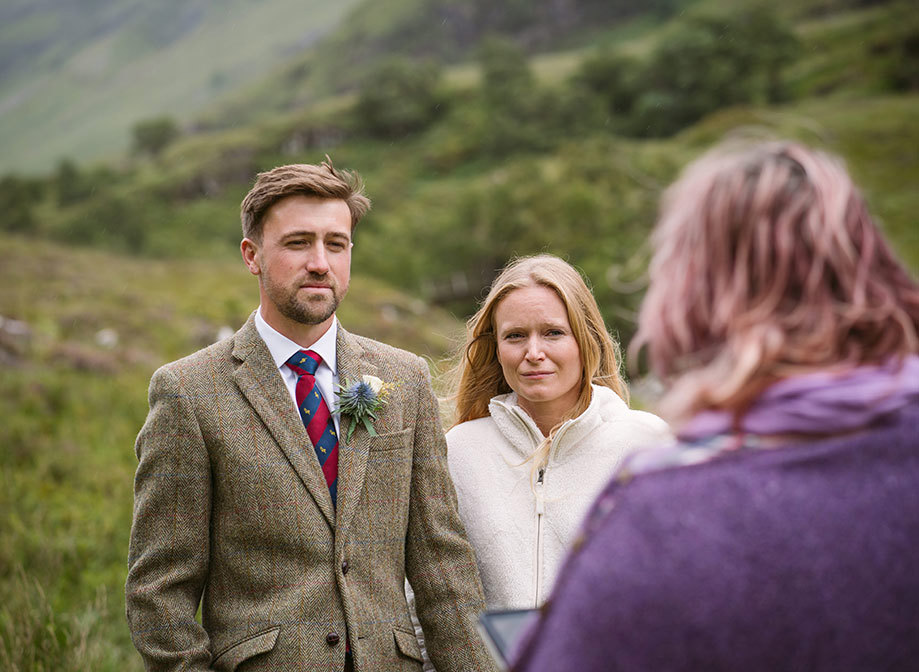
x=361 y=401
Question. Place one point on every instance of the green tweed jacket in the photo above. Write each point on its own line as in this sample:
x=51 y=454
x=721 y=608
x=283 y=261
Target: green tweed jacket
x=231 y=512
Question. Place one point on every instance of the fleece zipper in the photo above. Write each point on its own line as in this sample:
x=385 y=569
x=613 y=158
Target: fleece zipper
x=539 y=489
x=540 y=512
x=535 y=437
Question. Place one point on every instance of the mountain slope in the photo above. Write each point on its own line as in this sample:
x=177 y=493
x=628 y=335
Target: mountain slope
x=444 y=31
x=75 y=75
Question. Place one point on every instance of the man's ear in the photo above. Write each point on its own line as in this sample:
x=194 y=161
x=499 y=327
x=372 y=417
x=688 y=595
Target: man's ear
x=249 y=250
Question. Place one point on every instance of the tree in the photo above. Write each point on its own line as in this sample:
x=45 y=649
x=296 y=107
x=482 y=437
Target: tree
x=115 y=221
x=152 y=136
x=709 y=62
x=507 y=81
x=901 y=68
x=513 y=117
x=70 y=184
x=18 y=196
x=611 y=76
x=399 y=97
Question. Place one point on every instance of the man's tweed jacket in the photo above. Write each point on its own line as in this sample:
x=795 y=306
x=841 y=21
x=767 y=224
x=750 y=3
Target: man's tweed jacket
x=231 y=511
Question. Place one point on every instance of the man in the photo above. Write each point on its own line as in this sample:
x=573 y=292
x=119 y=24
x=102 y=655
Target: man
x=295 y=538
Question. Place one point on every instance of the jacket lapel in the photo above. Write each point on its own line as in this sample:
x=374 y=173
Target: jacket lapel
x=260 y=381
x=353 y=452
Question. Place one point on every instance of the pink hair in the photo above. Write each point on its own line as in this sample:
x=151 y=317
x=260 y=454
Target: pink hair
x=767 y=264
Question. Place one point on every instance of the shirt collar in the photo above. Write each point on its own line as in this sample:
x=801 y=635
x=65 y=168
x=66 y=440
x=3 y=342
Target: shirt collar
x=282 y=348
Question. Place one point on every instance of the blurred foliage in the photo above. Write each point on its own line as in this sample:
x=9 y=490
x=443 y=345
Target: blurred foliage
x=449 y=30
x=18 y=196
x=702 y=64
x=399 y=97
x=510 y=100
x=712 y=62
x=589 y=203
x=614 y=79
x=70 y=185
x=464 y=177
x=900 y=50
x=152 y=136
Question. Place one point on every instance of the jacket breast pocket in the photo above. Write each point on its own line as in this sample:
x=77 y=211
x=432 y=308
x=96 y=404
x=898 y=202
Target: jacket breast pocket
x=390 y=441
x=389 y=479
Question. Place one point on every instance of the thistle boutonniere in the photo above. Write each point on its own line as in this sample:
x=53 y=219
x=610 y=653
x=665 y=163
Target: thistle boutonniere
x=361 y=401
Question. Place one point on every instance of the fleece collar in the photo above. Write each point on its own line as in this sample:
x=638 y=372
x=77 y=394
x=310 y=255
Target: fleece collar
x=521 y=431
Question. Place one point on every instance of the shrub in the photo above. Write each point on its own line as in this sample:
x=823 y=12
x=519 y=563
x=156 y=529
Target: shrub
x=398 y=98
x=18 y=197
x=152 y=136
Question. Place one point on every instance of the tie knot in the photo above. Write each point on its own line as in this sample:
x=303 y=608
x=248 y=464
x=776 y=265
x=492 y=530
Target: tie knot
x=305 y=361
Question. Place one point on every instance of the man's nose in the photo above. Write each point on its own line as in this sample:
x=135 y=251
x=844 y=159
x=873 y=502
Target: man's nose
x=317 y=261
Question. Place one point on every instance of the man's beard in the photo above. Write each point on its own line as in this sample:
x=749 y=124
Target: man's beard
x=309 y=312
x=313 y=310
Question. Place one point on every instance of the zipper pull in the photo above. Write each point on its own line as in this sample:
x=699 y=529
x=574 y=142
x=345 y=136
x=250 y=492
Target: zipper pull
x=540 y=504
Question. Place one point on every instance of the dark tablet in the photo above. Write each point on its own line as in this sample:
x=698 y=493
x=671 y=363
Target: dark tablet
x=501 y=631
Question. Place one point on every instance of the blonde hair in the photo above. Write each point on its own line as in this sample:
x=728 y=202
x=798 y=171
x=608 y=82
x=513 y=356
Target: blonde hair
x=768 y=264
x=478 y=373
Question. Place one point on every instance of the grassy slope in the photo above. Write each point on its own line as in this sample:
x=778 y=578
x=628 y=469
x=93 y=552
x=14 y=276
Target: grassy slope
x=72 y=408
x=86 y=108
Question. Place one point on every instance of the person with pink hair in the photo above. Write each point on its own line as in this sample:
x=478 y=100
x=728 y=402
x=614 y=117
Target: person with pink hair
x=781 y=530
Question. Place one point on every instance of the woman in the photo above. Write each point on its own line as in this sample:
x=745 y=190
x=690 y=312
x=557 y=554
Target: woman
x=542 y=423
x=781 y=532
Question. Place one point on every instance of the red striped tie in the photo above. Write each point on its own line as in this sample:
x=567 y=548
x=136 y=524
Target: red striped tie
x=316 y=416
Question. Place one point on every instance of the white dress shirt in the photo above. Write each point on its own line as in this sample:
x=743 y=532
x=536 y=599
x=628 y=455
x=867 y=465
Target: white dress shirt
x=282 y=348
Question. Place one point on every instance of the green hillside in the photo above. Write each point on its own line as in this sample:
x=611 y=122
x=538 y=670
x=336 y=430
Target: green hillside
x=506 y=153
x=436 y=31
x=76 y=76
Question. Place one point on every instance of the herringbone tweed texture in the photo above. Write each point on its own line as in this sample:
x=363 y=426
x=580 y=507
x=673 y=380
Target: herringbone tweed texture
x=232 y=512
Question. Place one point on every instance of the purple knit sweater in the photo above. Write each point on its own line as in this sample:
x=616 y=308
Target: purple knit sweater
x=804 y=557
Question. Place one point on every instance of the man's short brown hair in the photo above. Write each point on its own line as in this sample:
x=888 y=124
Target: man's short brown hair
x=303 y=179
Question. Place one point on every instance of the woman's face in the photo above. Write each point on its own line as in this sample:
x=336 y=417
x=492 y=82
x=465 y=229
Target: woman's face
x=538 y=352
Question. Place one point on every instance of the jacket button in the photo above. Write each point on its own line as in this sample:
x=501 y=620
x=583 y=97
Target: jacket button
x=332 y=638
x=345 y=567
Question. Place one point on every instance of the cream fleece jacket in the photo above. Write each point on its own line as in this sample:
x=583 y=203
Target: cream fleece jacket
x=521 y=531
